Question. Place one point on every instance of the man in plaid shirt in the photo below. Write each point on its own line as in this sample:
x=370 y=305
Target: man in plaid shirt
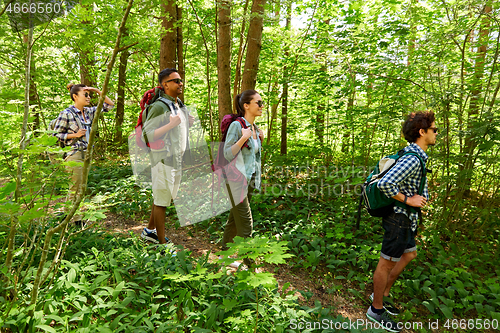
x=72 y=128
x=401 y=183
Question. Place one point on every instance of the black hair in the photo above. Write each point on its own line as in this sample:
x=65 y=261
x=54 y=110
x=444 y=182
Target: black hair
x=74 y=89
x=416 y=121
x=243 y=98
x=165 y=73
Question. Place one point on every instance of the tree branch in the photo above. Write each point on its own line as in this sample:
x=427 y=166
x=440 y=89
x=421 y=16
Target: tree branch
x=127 y=47
x=5 y=8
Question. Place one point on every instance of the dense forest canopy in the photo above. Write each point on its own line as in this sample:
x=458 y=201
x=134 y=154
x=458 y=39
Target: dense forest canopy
x=337 y=79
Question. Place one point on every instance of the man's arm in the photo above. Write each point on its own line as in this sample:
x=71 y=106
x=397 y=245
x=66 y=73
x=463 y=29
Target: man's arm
x=404 y=168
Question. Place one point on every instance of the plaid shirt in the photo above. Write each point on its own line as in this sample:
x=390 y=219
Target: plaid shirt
x=66 y=123
x=405 y=177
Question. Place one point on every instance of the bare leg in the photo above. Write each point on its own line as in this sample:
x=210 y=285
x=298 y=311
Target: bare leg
x=380 y=278
x=151 y=223
x=397 y=269
x=159 y=221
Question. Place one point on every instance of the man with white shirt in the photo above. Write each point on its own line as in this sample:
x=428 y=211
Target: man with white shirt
x=167 y=120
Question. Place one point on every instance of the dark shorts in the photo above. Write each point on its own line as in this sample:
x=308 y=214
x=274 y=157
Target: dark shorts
x=398 y=237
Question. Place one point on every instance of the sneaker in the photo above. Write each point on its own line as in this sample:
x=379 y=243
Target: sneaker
x=151 y=236
x=388 y=305
x=384 y=320
x=80 y=224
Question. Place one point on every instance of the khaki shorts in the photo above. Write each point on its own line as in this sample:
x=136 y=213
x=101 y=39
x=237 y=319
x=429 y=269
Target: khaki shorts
x=166 y=181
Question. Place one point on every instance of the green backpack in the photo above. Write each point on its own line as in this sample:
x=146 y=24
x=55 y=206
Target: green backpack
x=376 y=202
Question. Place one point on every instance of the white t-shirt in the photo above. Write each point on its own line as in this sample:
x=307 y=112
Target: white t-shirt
x=183 y=128
x=256 y=145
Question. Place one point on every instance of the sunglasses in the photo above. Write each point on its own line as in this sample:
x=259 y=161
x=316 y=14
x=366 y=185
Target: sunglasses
x=86 y=94
x=260 y=103
x=178 y=81
x=435 y=129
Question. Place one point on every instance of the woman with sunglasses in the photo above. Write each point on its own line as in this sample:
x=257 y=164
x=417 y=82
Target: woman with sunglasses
x=248 y=160
x=72 y=128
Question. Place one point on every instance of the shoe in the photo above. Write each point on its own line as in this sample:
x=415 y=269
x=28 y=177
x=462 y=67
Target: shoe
x=384 y=320
x=151 y=236
x=80 y=224
x=388 y=305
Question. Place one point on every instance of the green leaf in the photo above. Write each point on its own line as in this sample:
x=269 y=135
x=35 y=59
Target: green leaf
x=7 y=189
x=446 y=311
x=255 y=280
x=429 y=306
x=46 y=328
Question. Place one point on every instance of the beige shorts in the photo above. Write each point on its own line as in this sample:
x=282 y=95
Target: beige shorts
x=166 y=181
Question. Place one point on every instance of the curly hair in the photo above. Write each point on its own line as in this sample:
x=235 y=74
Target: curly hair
x=416 y=121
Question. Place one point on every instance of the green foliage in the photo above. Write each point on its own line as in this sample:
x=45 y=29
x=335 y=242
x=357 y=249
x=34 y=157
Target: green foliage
x=126 y=285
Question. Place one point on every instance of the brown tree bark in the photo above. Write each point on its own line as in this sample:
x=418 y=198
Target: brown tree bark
x=224 y=58
x=180 y=48
x=237 y=76
x=169 y=35
x=475 y=103
x=254 y=45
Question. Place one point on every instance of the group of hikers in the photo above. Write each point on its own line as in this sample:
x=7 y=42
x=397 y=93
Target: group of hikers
x=168 y=121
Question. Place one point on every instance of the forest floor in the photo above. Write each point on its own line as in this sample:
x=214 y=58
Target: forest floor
x=199 y=243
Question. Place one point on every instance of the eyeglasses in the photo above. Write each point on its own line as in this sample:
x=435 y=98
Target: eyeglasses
x=260 y=103
x=435 y=129
x=178 y=81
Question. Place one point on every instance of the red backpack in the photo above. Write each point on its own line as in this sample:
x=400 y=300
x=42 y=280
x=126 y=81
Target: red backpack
x=220 y=161
x=149 y=98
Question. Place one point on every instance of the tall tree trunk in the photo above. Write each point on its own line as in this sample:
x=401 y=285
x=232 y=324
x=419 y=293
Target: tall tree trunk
x=349 y=117
x=180 y=48
x=33 y=92
x=22 y=147
x=86 y=54
x=320 y=111
x=224 y=58
x=120 y=101
x=254 y=45
x=475 y=103
x=169 y=36
x=241 y=48
x=284 y=103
